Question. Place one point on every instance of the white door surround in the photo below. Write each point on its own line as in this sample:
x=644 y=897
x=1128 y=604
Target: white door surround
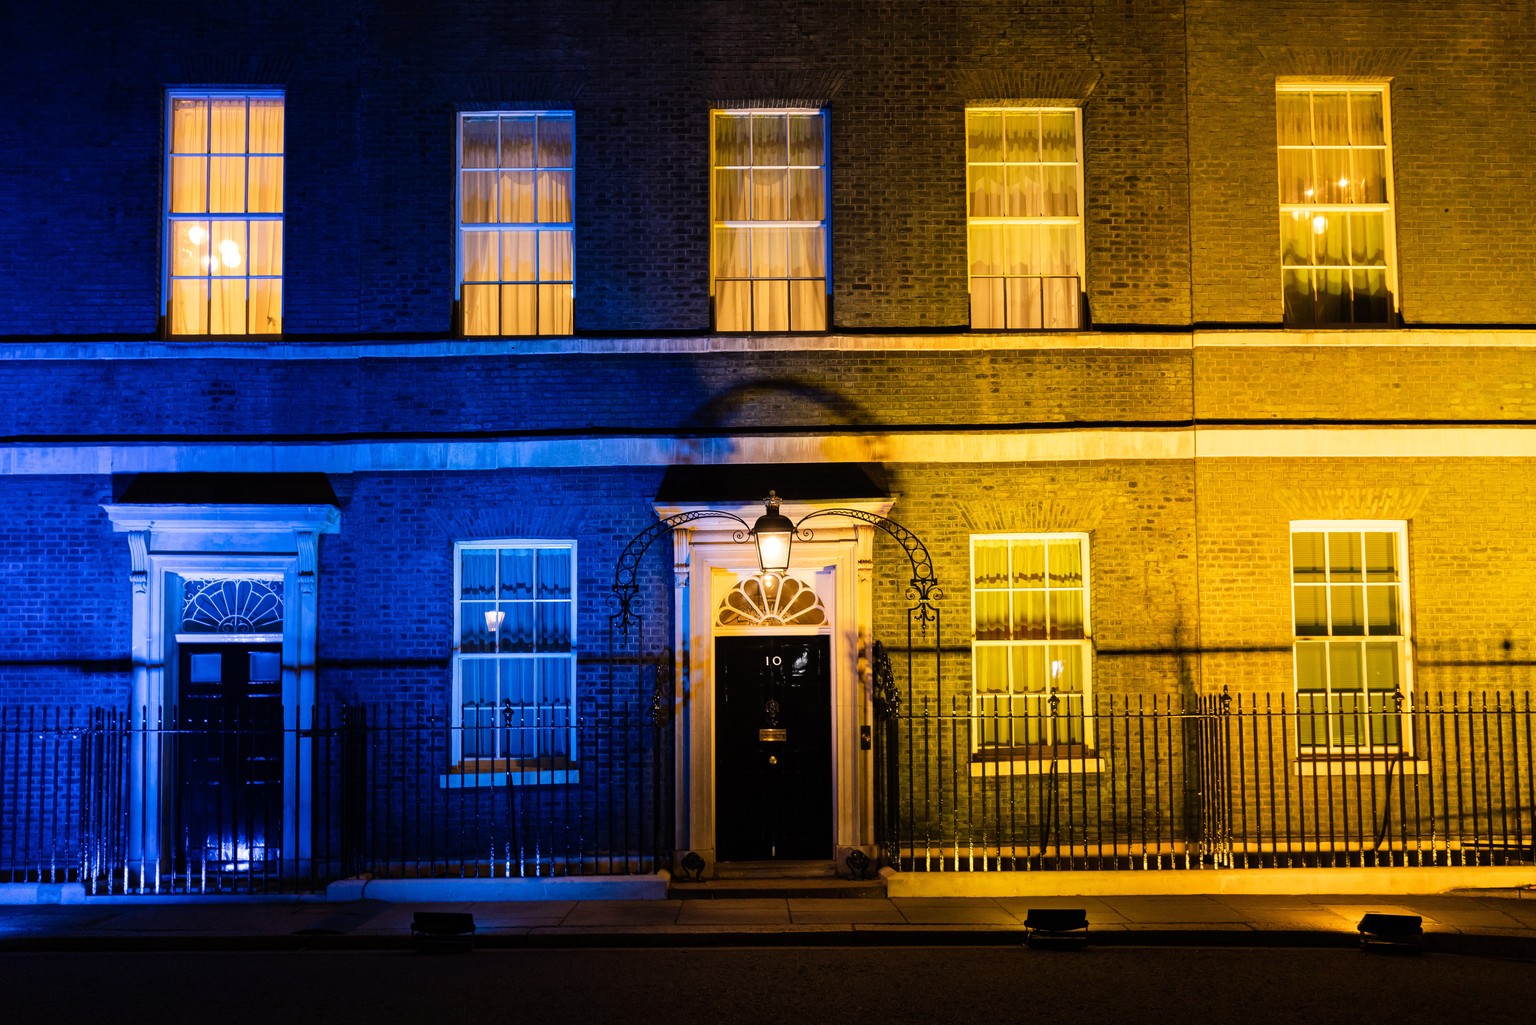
x=837 y=563
x=172 y=543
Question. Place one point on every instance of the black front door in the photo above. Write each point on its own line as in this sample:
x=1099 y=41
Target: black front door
x=773 y=748
x=228 y=756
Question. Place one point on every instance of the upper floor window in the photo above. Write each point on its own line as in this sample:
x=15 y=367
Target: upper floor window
x=1336 y=245
x=1349 y=591
x=1031 y=650
x=515 y=664
x=224 y=214
x=516 y=221
x=1025 y=216
x=768 y=267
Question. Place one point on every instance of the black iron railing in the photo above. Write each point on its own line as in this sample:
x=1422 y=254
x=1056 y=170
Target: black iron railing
x=143 y=804
x=1215 y=781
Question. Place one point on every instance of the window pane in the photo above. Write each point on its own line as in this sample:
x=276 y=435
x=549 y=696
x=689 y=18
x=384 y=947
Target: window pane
x=555 y=142
x=1348 y=610
x=987 y=308
x=478 y=142
x=480 y=263
x=481 y=311
x=770 y=253
x=515 y=197
x=984 y=136
x=991 y=669
x=265 y=309
x=1311 y=668
x=189 y=246
x=986 y=249
x=989 y=561
x=1058 y=136
x=770 y=305
x=1311 y=611
x=1066 y=614
x=266 y=255
x=988 y=197
x=808 y=305
x=1293 y=111
x=733 y=140
x=519 y=310
x=1307 y=558
x=1025 y=191
x=1330 y=119
x=806 y=141
x=1059 y=191
x=769 y=202
x=189 y=125
x=1021 y=136
x=554 y=196
x=1022 y=303
x=555 y=310
x=733 y=252
x=805 y=202
x=518 y=255
x=265 y=186
x=226 y=185
x=189 y=307
x=1381 y=666
x=1296 y=177
x=1345 y=669
x=806 y=252
x=1367 y=240
x=189 y=185
x=517 y=568
x=554 y=256
x=770 y=140
x=733 y=306
x=1382 y=603
x=228 y=124
x=554 y=625
x=1028 y=616
x=226 y=306
x=478 y=197
x=1366 y=121
x=732 y=200
x=1344 y=557
x=1060 y=301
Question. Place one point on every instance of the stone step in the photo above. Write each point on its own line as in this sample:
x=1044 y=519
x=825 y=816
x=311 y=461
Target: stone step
x=782 y=889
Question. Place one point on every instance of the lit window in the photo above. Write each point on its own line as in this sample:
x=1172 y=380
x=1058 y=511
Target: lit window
x=516 y=220
x=1031 y=647
x=1335 y=204
x=1348 y=589
x=1025 y=215
x=515 y=665
x=769 y=220
x=224 y=214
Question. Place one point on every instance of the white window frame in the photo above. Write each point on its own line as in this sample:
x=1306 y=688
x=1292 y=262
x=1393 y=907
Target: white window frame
x=825 y=224
x=462 y=226
x=1076 y=222
x=506 y=769
x=1083 y=645
x=1402 y=639
x=170 y=219
x=1311 y=210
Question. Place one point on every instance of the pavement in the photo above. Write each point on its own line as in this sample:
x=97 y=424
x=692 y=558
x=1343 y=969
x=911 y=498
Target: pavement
x=1500 y=923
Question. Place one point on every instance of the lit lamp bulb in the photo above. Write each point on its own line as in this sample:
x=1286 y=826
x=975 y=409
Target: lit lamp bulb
x=196 y=235
x=773 y=533
x=493 y=620
x=1319 y=225
x=229 y=253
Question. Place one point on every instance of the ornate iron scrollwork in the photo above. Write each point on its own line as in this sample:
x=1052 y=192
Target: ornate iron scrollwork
x=661 y=694
x=693 y=868
x=923 y=590
x=887 y=698
x=626 y=588
x=858 y=864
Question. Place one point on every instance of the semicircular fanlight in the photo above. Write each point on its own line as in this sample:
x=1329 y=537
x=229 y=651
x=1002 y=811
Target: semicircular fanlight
x=774 y=601
x=232 y=605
